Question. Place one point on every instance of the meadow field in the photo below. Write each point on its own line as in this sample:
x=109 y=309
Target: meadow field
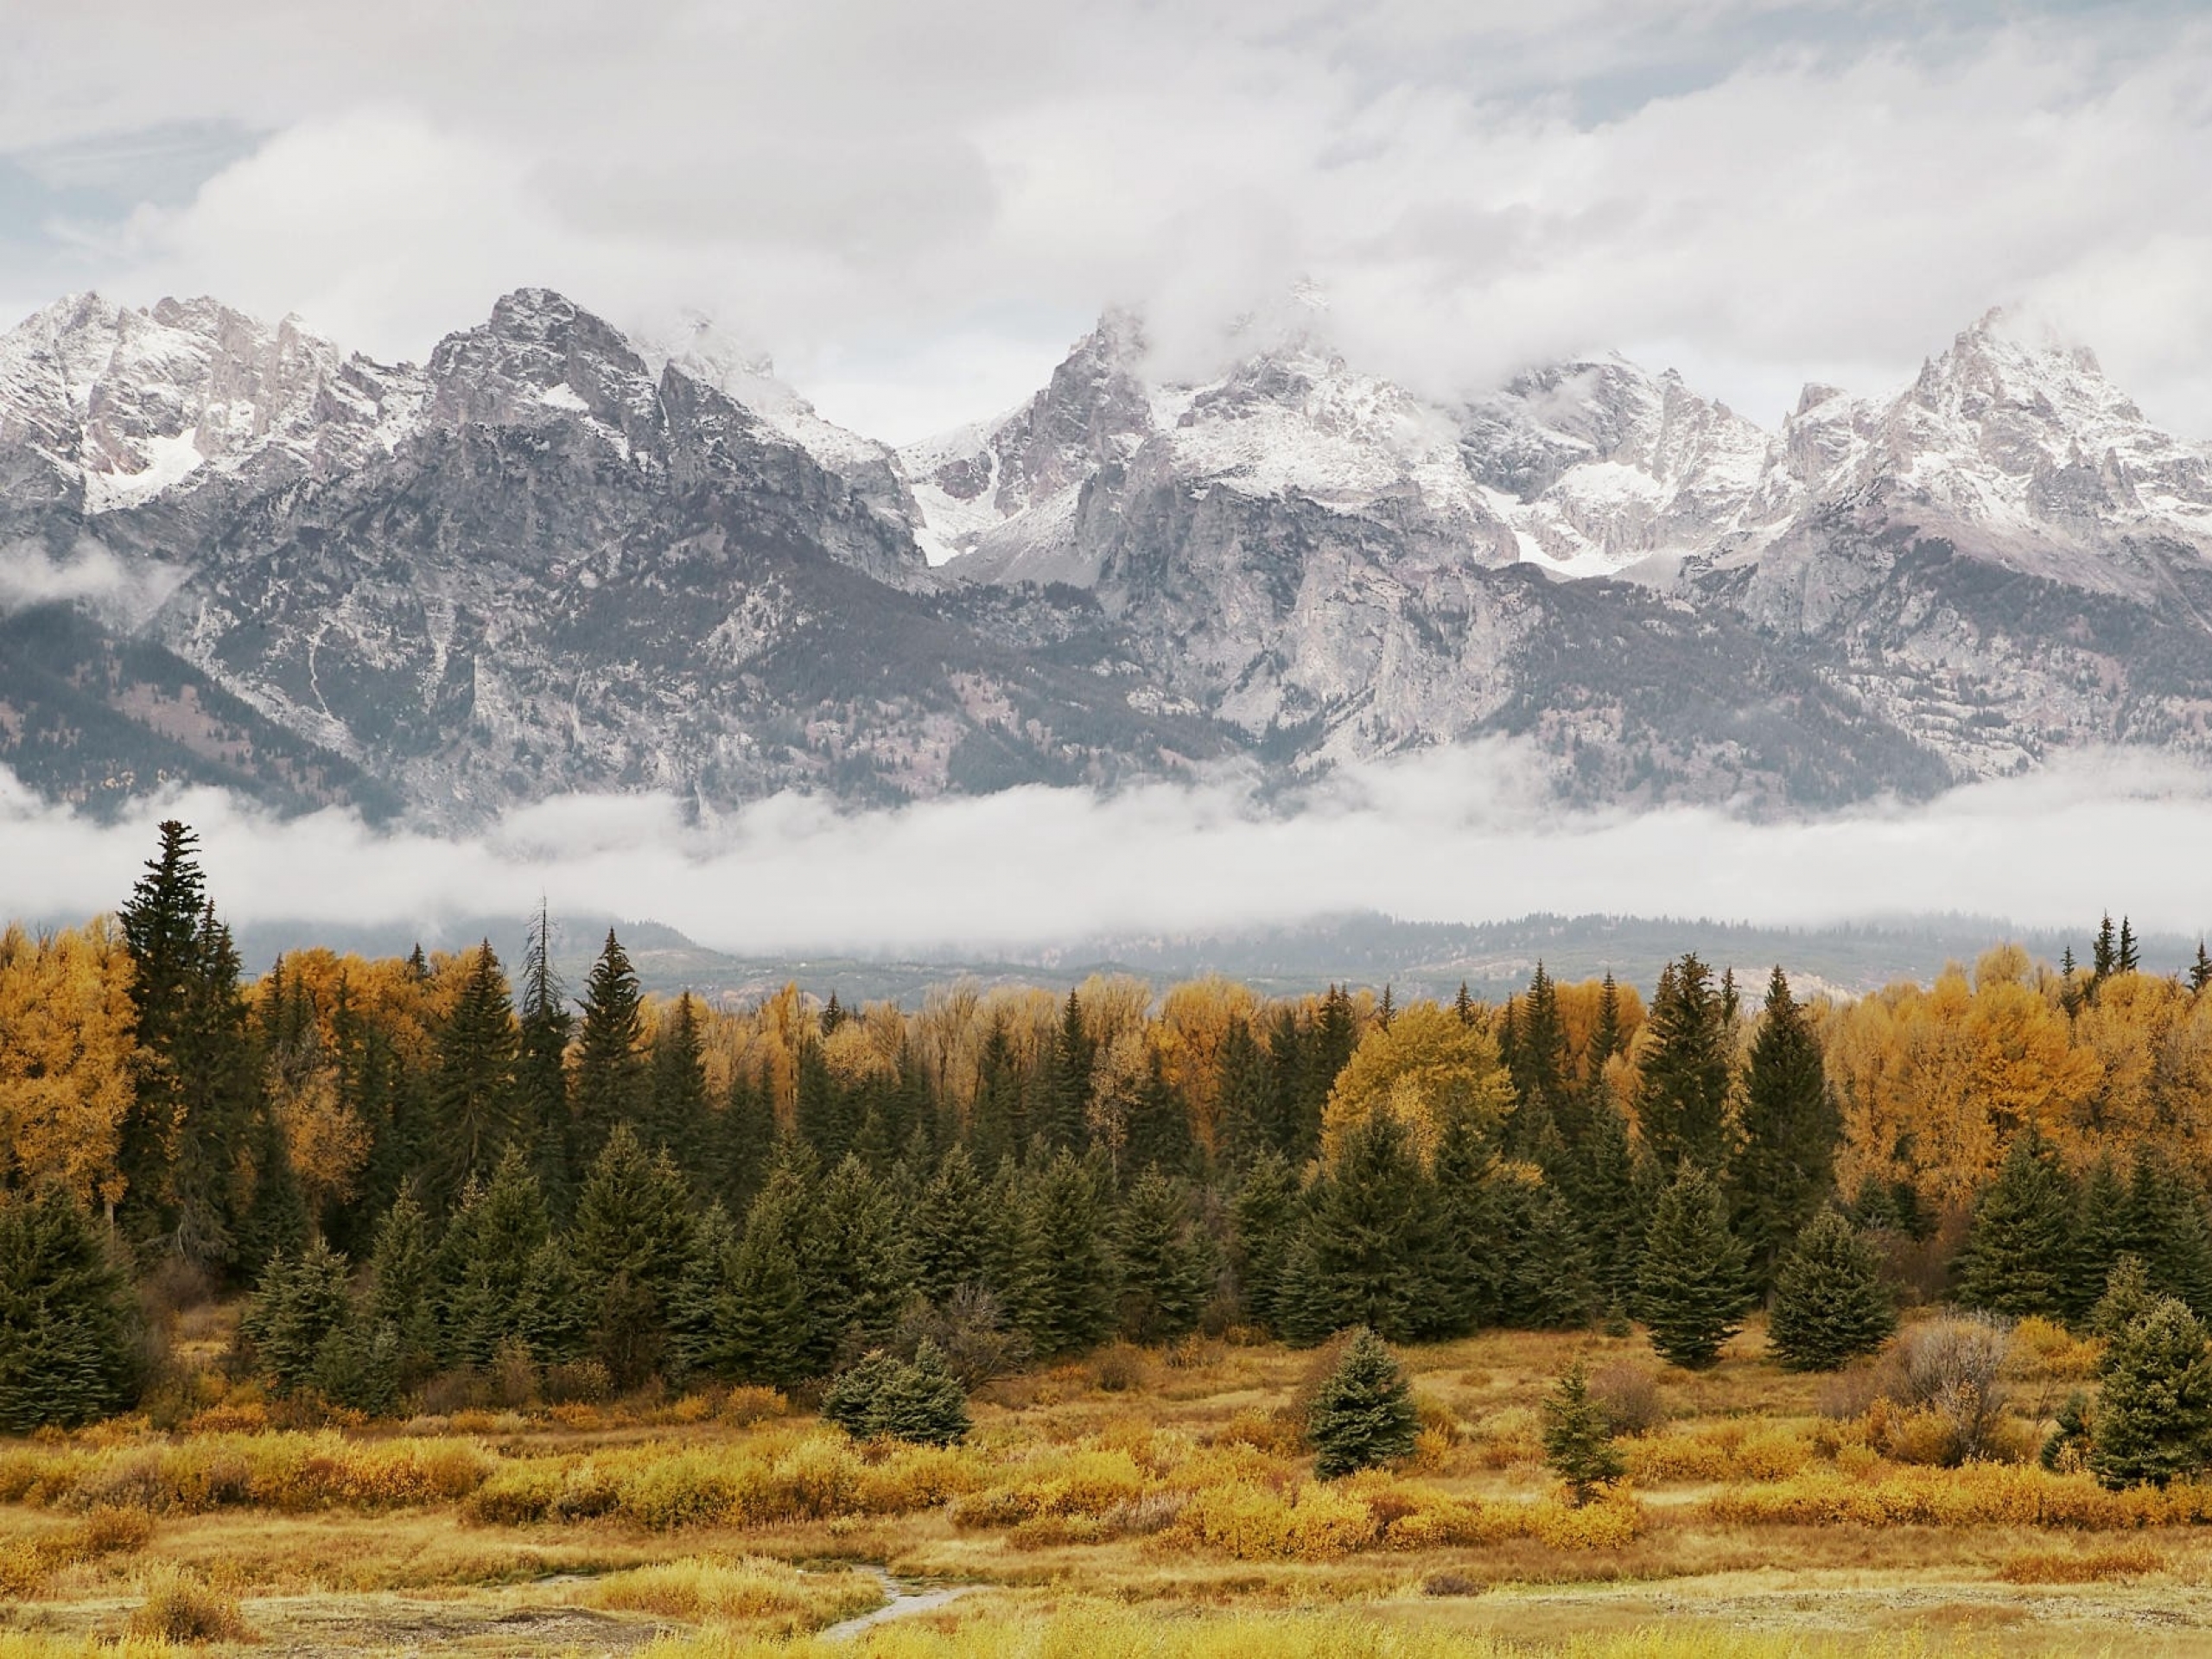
x=1142 y=1501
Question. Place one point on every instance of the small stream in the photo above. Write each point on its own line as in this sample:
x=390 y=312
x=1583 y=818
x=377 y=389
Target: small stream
x=905 y=1600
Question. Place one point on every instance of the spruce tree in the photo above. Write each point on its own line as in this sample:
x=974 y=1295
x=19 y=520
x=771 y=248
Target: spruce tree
x=1363 y=1412
x=676 y=1115
x=952 y=1229
x=999 y=1115
x=403 y=1288
x=300 y=1300
x=632 y=1241
x=918 y=1400
x=2103 y=1232
x=483 y=1262
x=68 y=1323
x=1065 y=1089
x=160 y=925
x=1066 y=1280
x=1265 y=1215
x=863 y=1253
x=1682 y=1107
x=2018 y=1257
x=1538 y=1268
x=1578 y=1439
x=2200 y=971
x=610 y=1082
x=1690 y=1287
x=1374 y=1243
x=1830 y=1304
x=2165 y=1225
x=473 y=1095
x=541 y=1105
x=357 y=1366
x=275 y=1218
x=743 y=1137
x=1244 y=1088
x=2127 y=1296
x=552 y=1313
x=2154 y=1413
x=1163 y=1288
x=1782 y=1170
x=2127 y=959
x=1539 y=1071
x=2104 y=955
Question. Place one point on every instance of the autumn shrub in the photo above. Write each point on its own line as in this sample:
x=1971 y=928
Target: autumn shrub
x=743 y=1407
x=1978 y=1495
x=1630 y=1396
x=586 y=1383
x=2043 y=1350
x=289 y=1471
x=1255 y=1523
x=1119 y=1369
x=179 y=1607
x=1733 y=1450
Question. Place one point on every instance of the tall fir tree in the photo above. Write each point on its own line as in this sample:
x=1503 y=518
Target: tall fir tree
x=609 y=1084
x=1066 y=1276
x=632 y=1243
x=1064 y=1089
x=676 y=1115
x=483 y=1262
x=999 y=1116
x=299 y=1301
x=1539 y=1071
x=1266 y=1214
x=1782 y=1169
x=403 y=1289
x=1244 y=1088
x=473 y=1093
x=1690 y=1285
x=865 y=1253
x=1683 y=1102
x=2163 y=1225
x=952 y=1229
x=159 y=924
x=541 y=1110
x=1578 y=1438
x=1162 y=1277
x=1372 y=1250
x=2019 y=1253
x=2200 y=971
x=1830 y=1304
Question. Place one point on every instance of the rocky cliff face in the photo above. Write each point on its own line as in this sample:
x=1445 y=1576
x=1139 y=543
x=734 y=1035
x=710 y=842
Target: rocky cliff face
x=556 y=559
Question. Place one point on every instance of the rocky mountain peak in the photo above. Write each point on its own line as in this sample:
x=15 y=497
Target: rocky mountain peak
x=539 y=356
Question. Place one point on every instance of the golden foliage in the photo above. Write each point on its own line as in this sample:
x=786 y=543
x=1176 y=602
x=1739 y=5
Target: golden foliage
x=1425 y=1069
x=66 y=1047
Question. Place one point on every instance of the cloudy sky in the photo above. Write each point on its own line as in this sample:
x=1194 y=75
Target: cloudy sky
x=916 y=206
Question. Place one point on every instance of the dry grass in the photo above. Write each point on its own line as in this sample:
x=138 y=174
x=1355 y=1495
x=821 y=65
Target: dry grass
x=767 y=1597
x=2126 y=1562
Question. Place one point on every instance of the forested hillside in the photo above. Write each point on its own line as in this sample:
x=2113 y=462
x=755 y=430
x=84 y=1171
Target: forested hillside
x=428 y=1168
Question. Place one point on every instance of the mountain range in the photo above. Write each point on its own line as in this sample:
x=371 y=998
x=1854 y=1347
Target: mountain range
x=555 y=558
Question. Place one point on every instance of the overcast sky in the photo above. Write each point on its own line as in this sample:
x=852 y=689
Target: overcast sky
x=916 y=206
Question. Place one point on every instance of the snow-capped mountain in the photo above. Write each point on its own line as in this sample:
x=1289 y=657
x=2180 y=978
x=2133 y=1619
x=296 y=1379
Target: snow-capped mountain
x=556 y=557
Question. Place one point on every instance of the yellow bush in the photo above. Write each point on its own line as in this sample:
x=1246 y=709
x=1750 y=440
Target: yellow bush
x=1728 y=1451
x=1254 y=1524
x=27 y=1563
x=1979 y=1494
x=1614 y=1520
x=181 y=1608
x=2043 y=1350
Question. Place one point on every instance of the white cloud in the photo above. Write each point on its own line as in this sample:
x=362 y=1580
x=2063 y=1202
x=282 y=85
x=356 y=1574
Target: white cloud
x=1460 y=834
x=1756 y=190
x=90 y=575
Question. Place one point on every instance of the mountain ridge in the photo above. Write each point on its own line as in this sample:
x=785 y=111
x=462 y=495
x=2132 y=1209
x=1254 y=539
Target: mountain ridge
x=554 y=557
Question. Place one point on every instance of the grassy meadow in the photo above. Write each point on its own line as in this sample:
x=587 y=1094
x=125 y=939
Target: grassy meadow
x=1154 y=1501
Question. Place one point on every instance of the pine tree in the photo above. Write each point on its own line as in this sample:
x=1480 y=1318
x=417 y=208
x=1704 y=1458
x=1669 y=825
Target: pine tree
x=1162 y=1287
x=1363 y=1413
x=483 y=1262
x=864 y=1256
x=1830 y=1304
x=161 y=928
x=1158 y=1125
x=999 y=1115
x=2018 y=1257
x=1782 y=1169
x=1244 y=1086
x=300 y=1300
x=552 y=1313
x=632 y=1241
x=403 y=1288
x=2163 y=1224
x=473 y=1095
x=1539 y=1071
x=274 y=1218
x=676 y=1115
x=2154 y=1412
x=1265 y=1214
x=610 y=1084
x=1538 y=1270
x=1684 y=1100
x=2103 y=1232
x=744 y=1140
x=1065 y=1277
x=2104 y=955
x=2127 y=959
x=1578 y=1439
x=918 y=1400
x=68 y=1323
x=2127 y=1296
x=952 y=1229
x=2200 y=971
x=541 y=1106
x=1690 y=1287
x=1064 y=1089
x=1373 y=1242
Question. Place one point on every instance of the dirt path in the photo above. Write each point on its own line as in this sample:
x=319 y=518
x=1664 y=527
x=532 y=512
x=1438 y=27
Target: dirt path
x=906 y=1599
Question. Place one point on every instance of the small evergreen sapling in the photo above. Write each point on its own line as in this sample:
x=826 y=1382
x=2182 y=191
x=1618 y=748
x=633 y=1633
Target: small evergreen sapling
x=918 y=1400
x=1578 y=1438
x=1363 y=1414
x=1830 y=1304
x=67 y=1320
